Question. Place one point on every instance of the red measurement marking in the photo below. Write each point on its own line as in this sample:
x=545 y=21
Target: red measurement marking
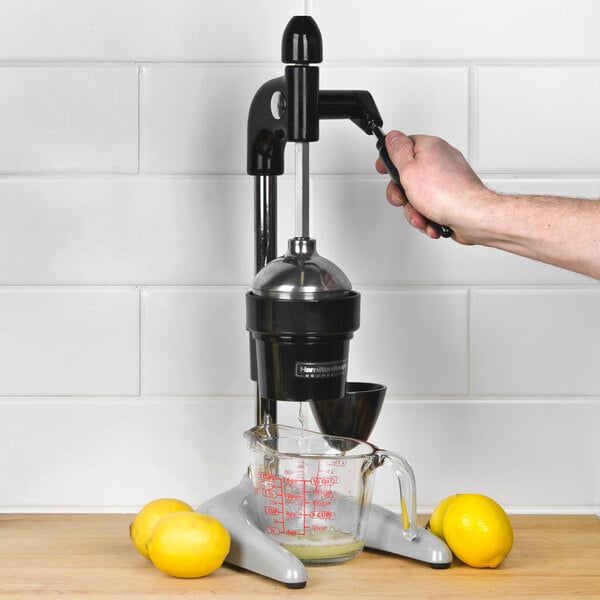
x=292 y=497
x=271 y=487
x=324 y=481
x=291 y=481
x=322 y=514
x=325 y=494
x=321 y=503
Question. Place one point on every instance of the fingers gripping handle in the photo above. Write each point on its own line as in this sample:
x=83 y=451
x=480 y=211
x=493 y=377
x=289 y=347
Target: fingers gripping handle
x=443 y=230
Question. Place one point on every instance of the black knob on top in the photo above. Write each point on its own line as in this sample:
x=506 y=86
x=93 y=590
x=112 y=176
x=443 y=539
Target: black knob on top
x=302 y=42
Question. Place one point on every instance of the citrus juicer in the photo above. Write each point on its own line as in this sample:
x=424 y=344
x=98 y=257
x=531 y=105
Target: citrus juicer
x=301 y=311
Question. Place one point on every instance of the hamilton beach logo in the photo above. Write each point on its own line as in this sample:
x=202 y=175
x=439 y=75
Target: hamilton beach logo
x=321 y=370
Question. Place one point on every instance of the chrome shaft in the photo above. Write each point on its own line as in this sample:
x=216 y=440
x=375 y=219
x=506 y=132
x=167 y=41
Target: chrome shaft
x=302 y=190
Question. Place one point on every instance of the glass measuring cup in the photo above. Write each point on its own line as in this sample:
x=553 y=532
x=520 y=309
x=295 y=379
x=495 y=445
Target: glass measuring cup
x=313 y=491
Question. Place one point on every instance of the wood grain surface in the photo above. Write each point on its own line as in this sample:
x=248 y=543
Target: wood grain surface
x=91 y=557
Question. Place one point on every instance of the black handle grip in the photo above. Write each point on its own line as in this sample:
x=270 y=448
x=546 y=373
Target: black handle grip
x=443 y=230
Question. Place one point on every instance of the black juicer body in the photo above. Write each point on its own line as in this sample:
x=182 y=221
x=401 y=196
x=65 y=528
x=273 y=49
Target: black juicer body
x=298 y=344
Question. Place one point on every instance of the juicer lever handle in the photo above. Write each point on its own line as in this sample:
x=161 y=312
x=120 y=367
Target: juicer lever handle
x=443 y=230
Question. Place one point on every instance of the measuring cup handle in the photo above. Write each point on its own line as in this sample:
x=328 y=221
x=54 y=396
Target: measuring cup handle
x=408 y=495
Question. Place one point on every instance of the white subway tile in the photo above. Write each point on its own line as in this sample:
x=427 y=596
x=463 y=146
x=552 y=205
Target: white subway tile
x=95 y=453
x=465 y=29
x=535 y=341
x=524 y=454
x=426 y=100
x=194 y=119
x=127 y=230
x=372 y=242
x=415 y=342
x=73 y=120
x=144 y=30
x=195 y=342
x=233 y=30
x=537 y=119
x=199 y=231
x=174 y=448
x=62 y=341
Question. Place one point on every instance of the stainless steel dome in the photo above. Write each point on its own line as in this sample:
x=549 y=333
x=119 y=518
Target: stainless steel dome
x=301 y=273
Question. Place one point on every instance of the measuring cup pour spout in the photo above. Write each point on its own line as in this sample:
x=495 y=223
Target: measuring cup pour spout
x=406 y=482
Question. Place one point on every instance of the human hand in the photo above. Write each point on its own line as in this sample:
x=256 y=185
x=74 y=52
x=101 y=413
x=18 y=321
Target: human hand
x=438 y=183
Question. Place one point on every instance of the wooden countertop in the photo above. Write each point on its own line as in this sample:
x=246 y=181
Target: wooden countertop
x=91 y=557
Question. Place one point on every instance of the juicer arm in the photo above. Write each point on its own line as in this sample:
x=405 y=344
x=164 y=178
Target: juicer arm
x=284 y=110
x=289 y=108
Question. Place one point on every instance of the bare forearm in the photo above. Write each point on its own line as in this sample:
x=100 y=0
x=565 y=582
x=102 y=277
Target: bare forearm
x=561 y=231
x=441 y=186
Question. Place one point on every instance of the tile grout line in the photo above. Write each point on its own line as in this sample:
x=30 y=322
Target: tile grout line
x=352 y=62
x=139 y=121
x=363 y=176
x=473 y=116
x=469 y=345
x=141 y=337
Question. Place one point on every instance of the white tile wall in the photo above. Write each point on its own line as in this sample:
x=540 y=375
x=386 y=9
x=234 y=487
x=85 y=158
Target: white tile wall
x=126 y=231
x=509 y=329
x=459 y=30
x=69 y=120
x=195 y=342
x=415 y=342
x=61 y=341
x=142 y=30
x=126 y=245
x=529 y=454
x=518 y=105
x=103 y=452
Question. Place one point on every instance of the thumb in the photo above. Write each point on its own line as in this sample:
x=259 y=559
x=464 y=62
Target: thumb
x=400 y=148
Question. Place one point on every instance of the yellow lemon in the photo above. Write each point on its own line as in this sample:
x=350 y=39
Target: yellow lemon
x=142 y=525
x=436 y=521
x=477 y=530
x=188 y=544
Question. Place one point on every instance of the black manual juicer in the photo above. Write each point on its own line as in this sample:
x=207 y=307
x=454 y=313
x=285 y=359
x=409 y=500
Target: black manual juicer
x=301 y=311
